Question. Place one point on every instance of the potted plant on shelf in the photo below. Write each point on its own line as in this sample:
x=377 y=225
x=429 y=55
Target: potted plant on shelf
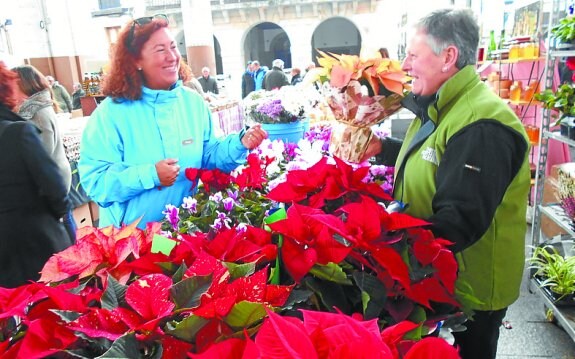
x=555 y=273
x=564 y=32
x=563 y=101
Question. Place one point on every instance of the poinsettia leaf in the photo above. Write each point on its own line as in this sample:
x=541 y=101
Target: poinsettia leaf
x=332 y=272
x=393 y=263
x=230 y=349
x=331 y=295
x=399 y=221
x=187 y=328
x=44 y=337
x=297 y=296
x=240 y=270
x=432 y=348
x=280 y=337
x=244 y=314
x=375 y=294
x=114 y=295
x=123 y=347
x=187 y=293
x=67 y=315
x=392 y=335
x=102 y=323
x=179 y=274
x=149 y=296
x=446 y=266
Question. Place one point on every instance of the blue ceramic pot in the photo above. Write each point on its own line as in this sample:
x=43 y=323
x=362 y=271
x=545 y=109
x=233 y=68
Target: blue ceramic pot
x=287 y=132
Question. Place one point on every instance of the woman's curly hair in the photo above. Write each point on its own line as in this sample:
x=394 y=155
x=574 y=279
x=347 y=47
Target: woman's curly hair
x=124 y=81
x=8 y=84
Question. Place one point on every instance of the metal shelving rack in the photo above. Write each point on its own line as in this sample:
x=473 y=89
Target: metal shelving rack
x=565 y=316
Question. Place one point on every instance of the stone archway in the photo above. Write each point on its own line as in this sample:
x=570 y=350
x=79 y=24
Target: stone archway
x=337 y=35
x=265 y=42
x=218 y=56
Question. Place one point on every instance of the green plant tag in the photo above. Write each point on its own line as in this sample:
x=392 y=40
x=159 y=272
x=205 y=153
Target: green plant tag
x=162 y=244
x=279 y=214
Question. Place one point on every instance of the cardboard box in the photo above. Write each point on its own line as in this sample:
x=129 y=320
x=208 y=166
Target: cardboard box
x=82 y=215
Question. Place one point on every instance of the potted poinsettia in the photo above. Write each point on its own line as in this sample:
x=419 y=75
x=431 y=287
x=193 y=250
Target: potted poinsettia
x=337 y=263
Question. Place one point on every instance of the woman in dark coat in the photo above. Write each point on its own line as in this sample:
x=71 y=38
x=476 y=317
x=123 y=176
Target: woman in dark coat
x=33 y=197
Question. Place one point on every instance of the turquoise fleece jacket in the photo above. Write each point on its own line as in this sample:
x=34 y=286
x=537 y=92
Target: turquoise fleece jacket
x=123 y=141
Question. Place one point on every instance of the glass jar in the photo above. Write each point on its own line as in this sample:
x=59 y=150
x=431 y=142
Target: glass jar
x=515 y=91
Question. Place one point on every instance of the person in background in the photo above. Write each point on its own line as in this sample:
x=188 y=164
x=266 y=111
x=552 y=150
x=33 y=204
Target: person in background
x=384 y=52
x=195 y=85
x=38 y=106
x=248 y=83
x=61 y=95
x=464 y=168
x=149 y=129
x=295 y=76
x=209 y=84
x=259 y=74
x=275 y=78
x=77 y=95
x=33 y=195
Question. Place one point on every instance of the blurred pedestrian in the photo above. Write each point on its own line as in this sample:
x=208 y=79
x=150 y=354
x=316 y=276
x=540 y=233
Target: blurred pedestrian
x=61 y=95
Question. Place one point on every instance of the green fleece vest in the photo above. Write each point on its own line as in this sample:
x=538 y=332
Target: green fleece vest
x=493 y=266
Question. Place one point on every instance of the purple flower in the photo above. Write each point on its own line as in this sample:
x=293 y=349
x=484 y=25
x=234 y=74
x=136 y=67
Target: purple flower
x=171 y=214
x=216 y=197
x=233 y=194
x=191 y=204
x=221 y=221
x=229 y=203
x=272 y=109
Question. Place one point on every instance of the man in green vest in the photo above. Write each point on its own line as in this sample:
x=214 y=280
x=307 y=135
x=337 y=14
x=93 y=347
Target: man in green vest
x=463 y=166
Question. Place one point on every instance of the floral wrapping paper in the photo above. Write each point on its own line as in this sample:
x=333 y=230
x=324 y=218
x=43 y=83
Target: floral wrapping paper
x=355 y=113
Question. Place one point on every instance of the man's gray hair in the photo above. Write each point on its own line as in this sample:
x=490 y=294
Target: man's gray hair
x=452 y=27
x=278 y=63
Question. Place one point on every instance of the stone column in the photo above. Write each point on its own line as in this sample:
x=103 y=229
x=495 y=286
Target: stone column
x=199 y=35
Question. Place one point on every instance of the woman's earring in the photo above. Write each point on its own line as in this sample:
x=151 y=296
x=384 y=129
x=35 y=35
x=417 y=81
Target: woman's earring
x=140 y=69
x=444 y=69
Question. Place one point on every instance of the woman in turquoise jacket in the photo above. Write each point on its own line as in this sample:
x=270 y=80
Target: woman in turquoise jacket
x=149 y=127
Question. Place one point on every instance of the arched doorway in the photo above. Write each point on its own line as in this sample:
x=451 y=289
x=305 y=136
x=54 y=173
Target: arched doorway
x=266 y=42
x=337 y=35
x=218 y=55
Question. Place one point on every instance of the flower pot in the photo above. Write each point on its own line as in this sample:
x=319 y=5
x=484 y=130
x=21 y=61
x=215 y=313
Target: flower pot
x=567 y=127
x=286 y=132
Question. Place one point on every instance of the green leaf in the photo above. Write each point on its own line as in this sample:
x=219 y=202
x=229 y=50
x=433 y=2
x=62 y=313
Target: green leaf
x=114 y=294
x=331 y=272
x=240 y=270
x=179 y=274
x=67 y=315
x=187 y=329
x=124 y=347
x=244 y=314
x=187 y=293
x=297 y=296
x=332 y=295
x=373 y=294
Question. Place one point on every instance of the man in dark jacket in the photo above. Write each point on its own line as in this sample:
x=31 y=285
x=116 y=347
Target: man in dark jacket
x=77 y=95
x=275 y=78
x=209 y=84
x=248 y=82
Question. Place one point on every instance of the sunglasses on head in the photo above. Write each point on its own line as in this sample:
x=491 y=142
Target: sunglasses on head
x=141 y=22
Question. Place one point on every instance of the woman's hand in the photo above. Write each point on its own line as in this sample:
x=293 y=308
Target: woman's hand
x=254 y=136
x=168 y=171
x=373 y=148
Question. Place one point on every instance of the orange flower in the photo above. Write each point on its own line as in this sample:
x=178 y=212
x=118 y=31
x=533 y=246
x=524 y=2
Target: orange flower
x=341 y=69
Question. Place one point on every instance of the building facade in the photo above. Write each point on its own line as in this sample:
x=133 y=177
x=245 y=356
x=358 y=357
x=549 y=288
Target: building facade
x=68 y=38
